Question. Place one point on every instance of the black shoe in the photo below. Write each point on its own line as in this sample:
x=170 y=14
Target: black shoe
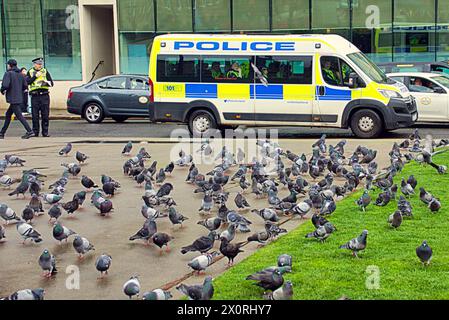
x=45 y=135
x=28 y=135
x=2 y=136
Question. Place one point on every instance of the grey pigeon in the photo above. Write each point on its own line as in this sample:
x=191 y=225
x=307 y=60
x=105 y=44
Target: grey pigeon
x=36 y=204
x=424 y=253
x=66 y=150
x=267 y=214
x=356 y=244
x=202 y=244
x=207 y=203
x=201 y=262
x=28 y=214
x=132 y=287
x=229 y=233
x=241 y=202
x=54 y=212
x=434 y=205
x=322 y=232
x=61 y=232
x=88 y=183
x=27 y=232
x=175 y=217
x=268 y=280
x=81 y=157
x=157 y=294
x=425 y=196
x=82 y=246
x=103 y=263
x=198 y=292
x=148 y=229
x=230 y=250
x=283 y=293
x=47 y=262
x=127 y=148
x=211 y=224
x=395 y=219
x=27 y=294
x=285 y=260
x=364 y=201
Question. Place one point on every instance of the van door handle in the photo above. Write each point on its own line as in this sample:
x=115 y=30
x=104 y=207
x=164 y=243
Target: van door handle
x=321 y=90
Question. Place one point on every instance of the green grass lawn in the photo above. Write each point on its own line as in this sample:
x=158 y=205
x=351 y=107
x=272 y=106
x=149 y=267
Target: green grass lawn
x=323 y=271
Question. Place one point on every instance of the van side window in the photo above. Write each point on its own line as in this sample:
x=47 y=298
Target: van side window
x=286 y=70
x=222 y=69
x=335 y=71
x=178 y=68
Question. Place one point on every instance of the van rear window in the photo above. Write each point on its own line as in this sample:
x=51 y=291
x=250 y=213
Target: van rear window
x=178 y=68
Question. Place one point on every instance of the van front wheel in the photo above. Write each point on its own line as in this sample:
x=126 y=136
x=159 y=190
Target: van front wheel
x=366 y=124
x=202 y=122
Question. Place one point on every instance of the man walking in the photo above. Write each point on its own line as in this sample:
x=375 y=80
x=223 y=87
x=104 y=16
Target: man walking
x=40 y=81
x=14 y=85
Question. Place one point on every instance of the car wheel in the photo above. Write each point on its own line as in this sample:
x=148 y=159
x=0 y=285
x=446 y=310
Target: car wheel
x=202 y=122
x=93 y=113
x=366 y=124
x=119 y=119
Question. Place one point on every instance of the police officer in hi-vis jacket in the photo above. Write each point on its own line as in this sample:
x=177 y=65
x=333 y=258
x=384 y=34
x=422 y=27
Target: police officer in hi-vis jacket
x=39 y=81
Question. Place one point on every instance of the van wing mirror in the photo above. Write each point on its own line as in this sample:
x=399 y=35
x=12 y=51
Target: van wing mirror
x=353 y=80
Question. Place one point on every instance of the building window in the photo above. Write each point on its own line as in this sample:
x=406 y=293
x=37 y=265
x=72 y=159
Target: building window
x=2 y=50
x=290 y=14
x=251 y=15
x=371 y=28
x=331 y=17
x=136 y=15
x=443 y=30
x=62 y=50
x=414 y=25
x=135 y=49
x=23 y=30
x=213 y=15
x=174 y=15
x=178 y=68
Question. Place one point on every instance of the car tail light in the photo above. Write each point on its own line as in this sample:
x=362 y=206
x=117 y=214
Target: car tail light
x=70 y=95
x=150 y=82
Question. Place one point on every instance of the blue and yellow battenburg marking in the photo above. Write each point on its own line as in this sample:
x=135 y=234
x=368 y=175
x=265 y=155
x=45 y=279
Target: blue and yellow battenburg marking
x=250 y=92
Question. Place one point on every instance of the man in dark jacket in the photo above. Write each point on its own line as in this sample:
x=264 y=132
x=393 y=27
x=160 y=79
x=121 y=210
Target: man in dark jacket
x=14 y=84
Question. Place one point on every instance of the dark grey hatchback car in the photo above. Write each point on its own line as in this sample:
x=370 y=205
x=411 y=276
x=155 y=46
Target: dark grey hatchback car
x=118 y=97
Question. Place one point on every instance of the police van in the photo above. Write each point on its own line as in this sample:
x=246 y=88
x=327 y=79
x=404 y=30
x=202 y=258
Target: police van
x=222 y=81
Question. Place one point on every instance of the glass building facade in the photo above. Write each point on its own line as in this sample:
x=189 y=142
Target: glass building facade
x=386 y=30
x=42 y=28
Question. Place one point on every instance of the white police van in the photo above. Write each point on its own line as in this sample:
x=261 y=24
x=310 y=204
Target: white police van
x=223 y=81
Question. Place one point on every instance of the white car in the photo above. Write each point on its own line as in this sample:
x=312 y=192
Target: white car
x=431 y=91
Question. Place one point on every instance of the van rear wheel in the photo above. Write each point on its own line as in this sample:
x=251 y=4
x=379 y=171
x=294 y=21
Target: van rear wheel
x=366 y=124
x=202 y=122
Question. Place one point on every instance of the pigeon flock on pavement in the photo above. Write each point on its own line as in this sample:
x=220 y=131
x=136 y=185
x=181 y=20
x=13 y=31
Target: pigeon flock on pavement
x=310 y=180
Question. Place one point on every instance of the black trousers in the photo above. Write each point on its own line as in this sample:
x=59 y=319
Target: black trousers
x=15 y=109
x=40 y=109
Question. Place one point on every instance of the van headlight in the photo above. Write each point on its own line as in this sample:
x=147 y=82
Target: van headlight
x=390 y=93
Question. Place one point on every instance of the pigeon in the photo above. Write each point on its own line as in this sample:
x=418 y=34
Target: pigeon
x=61 y=232
x=328 y=207
x=285 y=260
x=244 y=184
x=149 y=212
x=424 y=253
x=267 y=214
x=14 y=160
x=434 y=205
x=28 y=214
x=406 y=189
x=201 y=262
x=162 y=239
x=71 y=206
x=302 y=208
x=105 y=207
x=211 y=224
x=127 y=149
x=157 y=294
x=47 y=262
x=322 y=232
x=175 y=217
x=36 y=204
x=405 y=207
x=207 y=203
x=27 y=294
x=80 y=196
x=383 y=199
x=241 y=202
x=169 y=168
x=160 y=177
x=52 y=198
x=6 y=181
x=356 y=244
x=164 y=190
x=364 y=201
x=82 y=246
x=88 y=183
x=103 y=264
x=26 y=231
x=73 y=168
x=109 y=188
x=268 y=280
x=202 y=244
x=412 y=181
x=395 y=219
x=22 y=188
x=230 y=250
x=198 y=292
x=81 y=157
x=54 y=212
x=283 y=293
x=132 y=287
x=66 y=150
x=148 y=229
x=261 y=237
x=229 y=233
x=425 y=196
